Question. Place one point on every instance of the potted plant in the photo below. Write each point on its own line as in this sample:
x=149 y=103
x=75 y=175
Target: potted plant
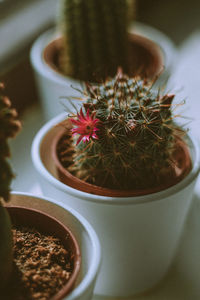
x=84 y=235
x=39 y=255
x=92 y=40
x=125 y=164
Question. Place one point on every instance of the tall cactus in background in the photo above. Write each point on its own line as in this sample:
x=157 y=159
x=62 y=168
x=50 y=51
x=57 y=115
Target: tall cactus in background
x=9 y=126
x=95 y=38
x=125 y=136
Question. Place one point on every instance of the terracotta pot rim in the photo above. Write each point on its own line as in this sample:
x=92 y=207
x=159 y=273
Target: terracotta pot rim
x=156 y=66
x=165 y=44
x=82 y=227
x=38 y=144
x=83 y=186
x=66 y=289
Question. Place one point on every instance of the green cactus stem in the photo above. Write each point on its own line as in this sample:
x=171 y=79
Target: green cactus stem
x=95 y=37
x=124 y=136
x=9 y=126
x=5 y=247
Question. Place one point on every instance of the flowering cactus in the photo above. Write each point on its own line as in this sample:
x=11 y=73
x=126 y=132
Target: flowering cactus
x=124 y=136
x=94 y=36
x=9 y=126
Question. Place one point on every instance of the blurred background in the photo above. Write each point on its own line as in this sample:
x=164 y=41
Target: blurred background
x=21 y=21
x=178 y=19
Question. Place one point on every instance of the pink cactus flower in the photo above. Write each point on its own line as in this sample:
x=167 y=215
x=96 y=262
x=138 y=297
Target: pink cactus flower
x=86 y=126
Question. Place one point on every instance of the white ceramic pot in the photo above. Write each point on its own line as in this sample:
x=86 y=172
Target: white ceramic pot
x=139 y=235
x=166 y=45
x=83 y=232
x=52 y=86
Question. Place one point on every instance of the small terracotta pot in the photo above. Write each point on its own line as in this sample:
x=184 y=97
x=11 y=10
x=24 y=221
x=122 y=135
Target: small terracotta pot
x=47 y=224
x=145 y=56
x=181 y=156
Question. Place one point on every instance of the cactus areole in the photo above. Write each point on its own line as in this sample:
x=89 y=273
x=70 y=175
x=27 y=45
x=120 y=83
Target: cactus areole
x=124 y=140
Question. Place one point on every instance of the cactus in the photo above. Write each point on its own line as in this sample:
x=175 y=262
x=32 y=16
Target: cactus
x=9 y=126
x=124 y=136
x=95 y=37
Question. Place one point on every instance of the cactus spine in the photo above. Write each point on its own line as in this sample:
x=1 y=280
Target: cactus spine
x=94 y=37
x=9 y=126
x=125 y=135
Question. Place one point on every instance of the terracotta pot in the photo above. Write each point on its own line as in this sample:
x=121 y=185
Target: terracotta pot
x=51 y=216
x=181 y=157
x=146 y=58
x=155 y=53
x=44 y=223
x=139 y=234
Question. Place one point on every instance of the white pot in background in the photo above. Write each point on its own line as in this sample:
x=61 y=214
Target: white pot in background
x=163 y=41
x=83 y=232
x=52 y=86
x=139 y=235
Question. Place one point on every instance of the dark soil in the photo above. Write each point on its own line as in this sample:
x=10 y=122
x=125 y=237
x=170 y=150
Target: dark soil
x=41 y=266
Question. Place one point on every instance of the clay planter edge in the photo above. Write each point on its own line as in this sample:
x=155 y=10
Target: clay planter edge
x=150 y=226
x=67 y=178
x=52 y=129
x=52 y=85
x=46 y=224
x=63 y=220
x=146 y=58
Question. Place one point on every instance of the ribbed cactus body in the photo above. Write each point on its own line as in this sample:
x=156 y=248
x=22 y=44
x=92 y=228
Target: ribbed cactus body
x=94 y=37
x=135 y=135
x=6 y=176
x=9 y=126
x=5 y=246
